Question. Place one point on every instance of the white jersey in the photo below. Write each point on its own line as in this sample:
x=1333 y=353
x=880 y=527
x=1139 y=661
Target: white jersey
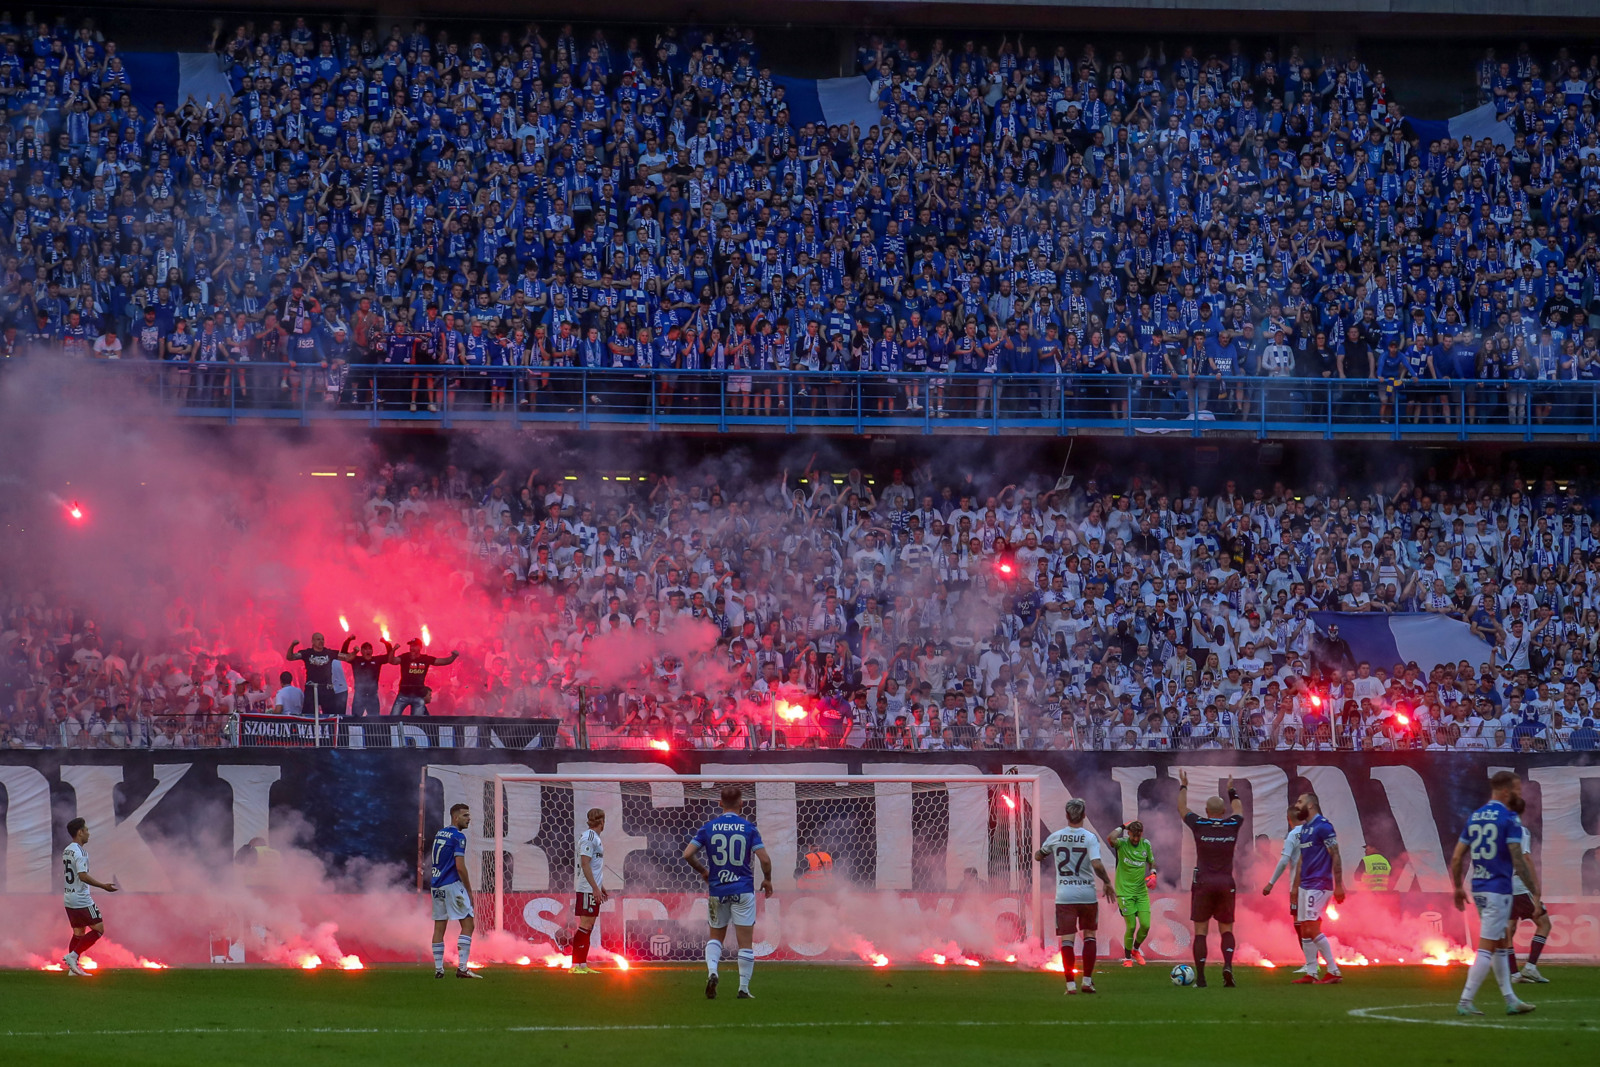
x=589 y=844
x=1075 y=850
x=75 y=864
x=1517 y=884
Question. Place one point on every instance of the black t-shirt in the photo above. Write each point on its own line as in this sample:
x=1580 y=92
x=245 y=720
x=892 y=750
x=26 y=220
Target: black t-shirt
x=1214 y=842
x=414 y=672
x=319 y=664
x=365 y=669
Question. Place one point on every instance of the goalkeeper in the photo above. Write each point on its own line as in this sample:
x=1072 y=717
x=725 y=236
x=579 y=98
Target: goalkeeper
x=1136 y=873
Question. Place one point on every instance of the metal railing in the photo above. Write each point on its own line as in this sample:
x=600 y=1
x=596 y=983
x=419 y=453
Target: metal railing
x=844 y=401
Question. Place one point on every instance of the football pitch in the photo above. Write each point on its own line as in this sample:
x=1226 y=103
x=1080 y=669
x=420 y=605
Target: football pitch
x=802 y=1015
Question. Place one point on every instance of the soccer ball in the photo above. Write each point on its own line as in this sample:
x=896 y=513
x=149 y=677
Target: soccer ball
x=1183 y=974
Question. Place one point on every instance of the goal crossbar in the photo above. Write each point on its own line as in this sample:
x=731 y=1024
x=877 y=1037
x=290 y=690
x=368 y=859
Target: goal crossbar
x=1027 y=791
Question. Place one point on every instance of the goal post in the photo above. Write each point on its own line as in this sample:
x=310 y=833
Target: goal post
x=919 y=862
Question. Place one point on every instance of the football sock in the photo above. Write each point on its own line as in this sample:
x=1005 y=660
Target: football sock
x=1200 y=956
x=713 y=955
x=1227 y=951
x=1127 y=941
x=1144 y=932
x=1482 y=964
x=1309 y=947
x=463 y=950
x=72 y=946
x=1069 y=959
x=1502 y=974
x=89 y=938
x=747 y=966
x=580 y=947
x=438 y=955
x=1090 y=947
x=1325 y=947
x=1537 y=950
x=1513 y=959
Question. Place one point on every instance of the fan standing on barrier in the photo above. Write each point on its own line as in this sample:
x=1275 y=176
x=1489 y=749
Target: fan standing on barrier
x=412 y=696
x=730 y=842
x=318 y=660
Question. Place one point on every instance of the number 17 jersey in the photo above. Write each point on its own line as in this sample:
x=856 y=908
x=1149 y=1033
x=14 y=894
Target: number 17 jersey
x=1074 y=850
x=729 y=842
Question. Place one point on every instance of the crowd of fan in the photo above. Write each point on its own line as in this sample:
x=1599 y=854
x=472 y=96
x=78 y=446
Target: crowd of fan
x=547 y=200
x=905 y=612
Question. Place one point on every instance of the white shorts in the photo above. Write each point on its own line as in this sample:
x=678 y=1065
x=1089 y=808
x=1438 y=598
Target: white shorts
x=741 y=909
x=1309 y=908
x=452 y=902
x=1494 y=913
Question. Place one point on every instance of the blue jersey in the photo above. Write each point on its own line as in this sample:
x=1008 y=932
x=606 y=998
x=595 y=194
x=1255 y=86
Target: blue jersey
x=1489 y=834
x=1316 y=865
x=730 y=843
x=448 y=843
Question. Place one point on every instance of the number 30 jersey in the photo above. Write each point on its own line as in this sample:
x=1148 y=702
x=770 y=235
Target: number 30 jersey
x=730 y=843
x=1489 y=834
x=1074 y=850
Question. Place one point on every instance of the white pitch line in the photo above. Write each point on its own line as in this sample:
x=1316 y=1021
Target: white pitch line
x=855 y=1024
x=1376 y=1014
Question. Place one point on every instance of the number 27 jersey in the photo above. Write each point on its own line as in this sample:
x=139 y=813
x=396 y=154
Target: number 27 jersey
x=1074 y=850
x=729 y=843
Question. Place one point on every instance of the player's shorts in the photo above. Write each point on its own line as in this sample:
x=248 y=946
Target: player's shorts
x=83 y=916
x=1494 y=913
x=740 y=910
x=1521 y=907
x=587 y=906
x=1309 y=907
x=1211 y=902
x=1134 y=904
x=1070 y=918
x=451 y=902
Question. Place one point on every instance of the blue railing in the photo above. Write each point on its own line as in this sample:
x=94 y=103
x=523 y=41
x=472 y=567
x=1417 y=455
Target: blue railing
x=843 y=402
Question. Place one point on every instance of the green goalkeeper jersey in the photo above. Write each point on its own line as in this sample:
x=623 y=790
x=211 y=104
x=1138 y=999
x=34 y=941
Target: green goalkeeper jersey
x=1131 y=860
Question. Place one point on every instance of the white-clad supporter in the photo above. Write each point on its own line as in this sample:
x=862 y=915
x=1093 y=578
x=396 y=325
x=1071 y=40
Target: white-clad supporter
x=290 y=699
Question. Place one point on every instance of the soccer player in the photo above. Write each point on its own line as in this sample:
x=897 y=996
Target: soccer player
x=1216 y=836
x=1286 y=861
x=1076 y=852
x=591 y=890
x=87 y=926
x=1136 y=870
x=452 y=891
x=1321 y=876
x=1493 y=840
x=730 y=842
x=1523 y=907
x=412 y=696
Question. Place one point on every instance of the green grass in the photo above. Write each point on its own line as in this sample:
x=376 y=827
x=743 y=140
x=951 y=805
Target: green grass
x=807 y=1015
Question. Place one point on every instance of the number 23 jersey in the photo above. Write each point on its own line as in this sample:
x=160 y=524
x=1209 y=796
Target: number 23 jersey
x=1074 y=850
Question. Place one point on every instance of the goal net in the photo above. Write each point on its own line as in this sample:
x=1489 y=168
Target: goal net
x=863 y=867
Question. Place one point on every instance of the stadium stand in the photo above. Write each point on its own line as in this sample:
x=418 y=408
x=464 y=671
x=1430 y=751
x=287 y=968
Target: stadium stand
x=554 y=226
x=905 y=612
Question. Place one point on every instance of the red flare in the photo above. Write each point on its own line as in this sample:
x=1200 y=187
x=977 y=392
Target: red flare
x=661 y=746
x=351 y=963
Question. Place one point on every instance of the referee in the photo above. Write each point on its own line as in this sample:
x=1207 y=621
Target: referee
x=1216 y=835
x=318 y=660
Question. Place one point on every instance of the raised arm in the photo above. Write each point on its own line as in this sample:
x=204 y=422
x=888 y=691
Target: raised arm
x=1183 y=794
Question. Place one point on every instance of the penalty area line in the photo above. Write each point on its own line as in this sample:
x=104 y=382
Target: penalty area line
x=847 y=1024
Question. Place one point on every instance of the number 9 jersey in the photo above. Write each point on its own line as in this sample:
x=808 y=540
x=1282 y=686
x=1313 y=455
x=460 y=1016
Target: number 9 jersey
x=1489 y=834
x=1074 y=849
